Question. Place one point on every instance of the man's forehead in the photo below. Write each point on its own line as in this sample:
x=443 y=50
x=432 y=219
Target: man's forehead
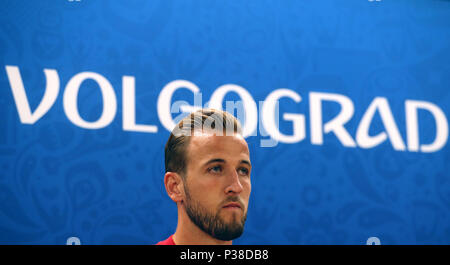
x=209 y=143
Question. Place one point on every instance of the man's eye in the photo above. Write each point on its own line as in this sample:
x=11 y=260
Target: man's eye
x=243 y=171
x=215 y=169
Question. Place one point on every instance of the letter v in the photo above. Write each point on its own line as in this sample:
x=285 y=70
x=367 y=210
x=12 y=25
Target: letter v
x=20 y=97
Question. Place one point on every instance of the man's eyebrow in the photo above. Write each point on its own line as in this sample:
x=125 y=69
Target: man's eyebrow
x=215 y=160
x=220 y=160
x=246 y=162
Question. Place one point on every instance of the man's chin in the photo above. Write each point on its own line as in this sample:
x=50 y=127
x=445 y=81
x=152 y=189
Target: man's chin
x=230 y=217
x=233 y=223
x=232 y=231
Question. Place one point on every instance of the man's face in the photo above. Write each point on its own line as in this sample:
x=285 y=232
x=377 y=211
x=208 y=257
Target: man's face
x=217 y=185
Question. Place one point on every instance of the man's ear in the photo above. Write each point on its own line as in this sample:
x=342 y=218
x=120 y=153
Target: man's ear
x=174 y=184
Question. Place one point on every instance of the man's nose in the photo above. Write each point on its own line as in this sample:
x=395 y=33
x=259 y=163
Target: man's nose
x=235 y=185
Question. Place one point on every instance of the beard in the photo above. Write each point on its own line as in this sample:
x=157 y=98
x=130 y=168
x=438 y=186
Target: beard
x=214 y=224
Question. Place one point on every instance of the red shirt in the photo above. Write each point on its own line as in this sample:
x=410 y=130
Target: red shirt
x=168 y=241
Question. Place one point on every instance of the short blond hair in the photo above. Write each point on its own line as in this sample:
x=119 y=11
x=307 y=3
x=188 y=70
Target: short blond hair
x=203 y=119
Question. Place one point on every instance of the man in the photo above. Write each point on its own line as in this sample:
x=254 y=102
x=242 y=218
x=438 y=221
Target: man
x=208 y=176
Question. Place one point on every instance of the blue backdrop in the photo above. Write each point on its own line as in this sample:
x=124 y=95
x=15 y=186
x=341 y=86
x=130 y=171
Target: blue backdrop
x=105 y=185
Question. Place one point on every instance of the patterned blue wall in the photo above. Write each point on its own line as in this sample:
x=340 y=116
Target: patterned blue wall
x=104 y=186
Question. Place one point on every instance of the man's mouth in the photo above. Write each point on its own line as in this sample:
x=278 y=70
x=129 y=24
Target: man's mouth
x=232 y=205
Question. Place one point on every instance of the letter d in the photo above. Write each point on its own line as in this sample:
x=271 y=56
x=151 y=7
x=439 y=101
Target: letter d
x=412 y=127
